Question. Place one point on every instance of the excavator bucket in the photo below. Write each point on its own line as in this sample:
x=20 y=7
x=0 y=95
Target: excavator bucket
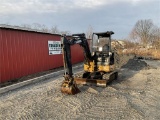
x=71 y=90
x=69 y=87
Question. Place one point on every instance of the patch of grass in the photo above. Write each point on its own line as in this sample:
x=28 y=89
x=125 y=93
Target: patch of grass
x=153 y=53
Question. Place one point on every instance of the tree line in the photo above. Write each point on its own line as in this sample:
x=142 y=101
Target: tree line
x=146 y=33
x=44 y=28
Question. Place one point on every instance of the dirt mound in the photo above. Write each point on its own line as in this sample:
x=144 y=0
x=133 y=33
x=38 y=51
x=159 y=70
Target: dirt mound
x=135 y=64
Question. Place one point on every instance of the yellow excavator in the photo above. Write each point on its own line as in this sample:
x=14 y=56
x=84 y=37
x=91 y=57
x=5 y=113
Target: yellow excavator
x=99 y=62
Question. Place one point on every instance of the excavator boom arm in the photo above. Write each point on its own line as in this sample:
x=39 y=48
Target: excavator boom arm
x=69 y=86
x=66 y=43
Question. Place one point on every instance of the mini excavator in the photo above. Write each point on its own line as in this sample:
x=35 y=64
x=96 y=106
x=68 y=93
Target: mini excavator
x=99 y=68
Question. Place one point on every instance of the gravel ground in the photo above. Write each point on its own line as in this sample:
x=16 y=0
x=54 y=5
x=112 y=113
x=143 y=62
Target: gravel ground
x=134 y=96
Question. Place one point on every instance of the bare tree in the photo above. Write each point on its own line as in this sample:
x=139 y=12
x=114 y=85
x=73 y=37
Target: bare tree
x=36 y=26
x=142 y=31
x=43 y=28
x=40 y=27
x=54 y=29
x=65 y=32
x=156 y=37
x=26 y=26
x=89 y=32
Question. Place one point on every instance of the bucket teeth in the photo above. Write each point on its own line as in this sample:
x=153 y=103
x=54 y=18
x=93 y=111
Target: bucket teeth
x=69 y=88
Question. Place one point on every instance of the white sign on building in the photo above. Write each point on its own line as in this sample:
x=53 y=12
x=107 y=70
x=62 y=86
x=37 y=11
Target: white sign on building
x=54 y=47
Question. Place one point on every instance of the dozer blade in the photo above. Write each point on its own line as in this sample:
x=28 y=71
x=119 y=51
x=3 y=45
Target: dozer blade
x=97 y=82
x=68 y=88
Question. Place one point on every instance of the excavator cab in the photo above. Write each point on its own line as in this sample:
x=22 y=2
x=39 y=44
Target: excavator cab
x=104 y=51
x=102 y=41
x=103 y=57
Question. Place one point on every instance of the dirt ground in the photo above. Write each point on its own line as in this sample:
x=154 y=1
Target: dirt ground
x=134 y=96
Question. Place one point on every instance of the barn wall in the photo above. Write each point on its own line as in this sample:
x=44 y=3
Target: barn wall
x=24 y=52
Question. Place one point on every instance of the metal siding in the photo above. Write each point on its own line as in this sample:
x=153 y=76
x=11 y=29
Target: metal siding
x=77 y=54
x=12 y=49
x=1 y=57
x=5 y=64
x=18 y=53
x=54 y=60
x=23 y=53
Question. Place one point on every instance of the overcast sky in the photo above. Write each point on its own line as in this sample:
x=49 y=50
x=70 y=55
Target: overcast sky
x=77 y=15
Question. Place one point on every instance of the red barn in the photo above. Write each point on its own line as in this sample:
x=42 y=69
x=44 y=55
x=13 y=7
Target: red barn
x=24 y=52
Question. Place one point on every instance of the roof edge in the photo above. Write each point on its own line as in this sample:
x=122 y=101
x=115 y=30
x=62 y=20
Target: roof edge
x=25 y=29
